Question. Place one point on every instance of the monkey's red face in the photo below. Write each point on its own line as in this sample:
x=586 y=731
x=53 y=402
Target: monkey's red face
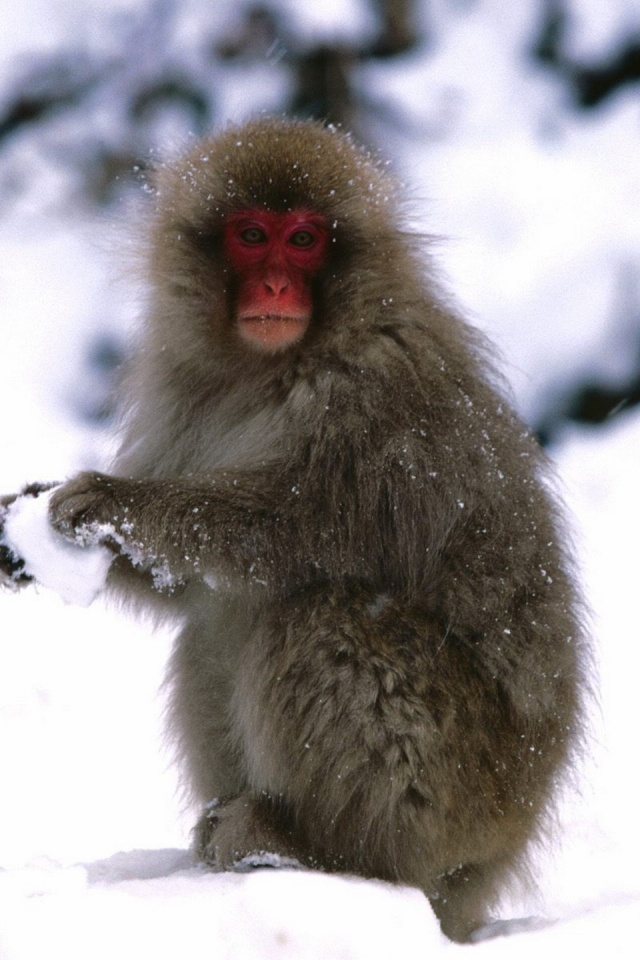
x=274 y=258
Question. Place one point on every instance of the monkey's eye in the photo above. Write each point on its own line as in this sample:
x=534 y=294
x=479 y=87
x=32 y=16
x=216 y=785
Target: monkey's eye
x=302 y=238
x=253 y=235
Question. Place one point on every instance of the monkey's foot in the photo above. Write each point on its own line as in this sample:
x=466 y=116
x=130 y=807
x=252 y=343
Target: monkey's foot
x=246 y=833
x=505 y=928
x=264 y=860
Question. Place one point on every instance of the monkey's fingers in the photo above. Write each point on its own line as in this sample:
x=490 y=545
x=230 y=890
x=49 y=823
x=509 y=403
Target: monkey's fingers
x=5 y=502
x=12 y=573
x=30 y=490
x=83 y=509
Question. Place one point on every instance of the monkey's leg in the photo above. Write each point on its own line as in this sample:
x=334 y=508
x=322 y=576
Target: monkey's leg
x=200 y=679
x=245 y=832
x=383 y=744
x=465 y=895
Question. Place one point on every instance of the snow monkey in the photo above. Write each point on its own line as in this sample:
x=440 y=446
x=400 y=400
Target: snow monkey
x=379 y=669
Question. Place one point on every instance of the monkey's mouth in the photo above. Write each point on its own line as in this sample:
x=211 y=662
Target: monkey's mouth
x=272 y=331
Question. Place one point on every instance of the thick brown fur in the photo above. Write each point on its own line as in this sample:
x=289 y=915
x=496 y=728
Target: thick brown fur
x=380 y=666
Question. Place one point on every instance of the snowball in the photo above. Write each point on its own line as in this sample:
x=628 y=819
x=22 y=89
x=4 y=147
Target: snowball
x=75 y=573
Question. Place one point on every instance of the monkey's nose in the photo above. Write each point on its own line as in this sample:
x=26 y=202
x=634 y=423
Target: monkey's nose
x=276 y=284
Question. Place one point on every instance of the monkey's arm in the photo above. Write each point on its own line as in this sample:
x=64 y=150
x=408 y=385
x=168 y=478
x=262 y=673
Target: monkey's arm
x=227 y=523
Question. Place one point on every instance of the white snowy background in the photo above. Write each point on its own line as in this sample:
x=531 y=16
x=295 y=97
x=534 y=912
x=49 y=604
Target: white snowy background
x=540 y=232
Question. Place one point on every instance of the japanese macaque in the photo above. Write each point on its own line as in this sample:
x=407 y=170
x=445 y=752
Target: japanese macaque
x=380 y=665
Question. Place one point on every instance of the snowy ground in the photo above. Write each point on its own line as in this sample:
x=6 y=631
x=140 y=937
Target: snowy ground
x=93 y=834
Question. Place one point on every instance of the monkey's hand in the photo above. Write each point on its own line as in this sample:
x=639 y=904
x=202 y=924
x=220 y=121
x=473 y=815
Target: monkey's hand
x=130 y=517
x=90 y=509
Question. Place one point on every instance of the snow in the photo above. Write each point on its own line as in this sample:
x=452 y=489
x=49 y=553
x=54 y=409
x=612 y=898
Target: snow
x=333 y=20
x=94 y=835
x=76 y=573
x=269 y=914
x=601 y=25
x=537 y=203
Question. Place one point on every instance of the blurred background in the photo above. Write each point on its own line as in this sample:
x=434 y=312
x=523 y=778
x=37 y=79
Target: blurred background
x=516 y=127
